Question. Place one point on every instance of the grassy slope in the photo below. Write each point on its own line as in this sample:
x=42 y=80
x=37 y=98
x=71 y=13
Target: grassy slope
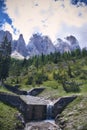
x=8 y=118
x=74 y=117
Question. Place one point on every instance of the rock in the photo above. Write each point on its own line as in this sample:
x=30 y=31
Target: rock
x=70 y=113
x=41 y=126
x=3 y=34
x=62 y=46
x=73 y=42
x=69 y=44
x=61 y=104
x=40 y=44
x=17 y=55
x=20 y=46
x=80 y=128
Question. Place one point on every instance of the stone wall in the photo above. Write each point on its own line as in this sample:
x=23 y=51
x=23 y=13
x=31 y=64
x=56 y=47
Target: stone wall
x=61 y=104
x=29 y=111
x=15 y=89
x=35 y=91
x=12 y=100
x=35 y=112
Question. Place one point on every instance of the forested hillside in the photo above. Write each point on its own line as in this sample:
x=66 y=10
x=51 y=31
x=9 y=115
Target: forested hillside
x=65 y=71
x=60 y=74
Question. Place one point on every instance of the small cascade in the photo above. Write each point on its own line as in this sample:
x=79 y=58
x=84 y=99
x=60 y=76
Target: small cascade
x=50 y=110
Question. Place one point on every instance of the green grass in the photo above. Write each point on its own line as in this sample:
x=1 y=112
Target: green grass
x=3 y=89
x=8 y=118
x=75 y=115
x=54 y=90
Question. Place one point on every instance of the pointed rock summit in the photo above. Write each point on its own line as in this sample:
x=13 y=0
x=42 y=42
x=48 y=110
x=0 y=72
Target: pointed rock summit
x=20 y=46
x=39 y=44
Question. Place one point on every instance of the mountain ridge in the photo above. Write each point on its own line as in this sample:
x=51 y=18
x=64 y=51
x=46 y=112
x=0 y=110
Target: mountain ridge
x=39 y=44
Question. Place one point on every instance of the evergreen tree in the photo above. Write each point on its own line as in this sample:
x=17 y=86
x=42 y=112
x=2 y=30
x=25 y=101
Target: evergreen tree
x=42 y=58
x=5 y=51
x=84 y=52
x=78 y=53
x=37 y=62
x=69 y=71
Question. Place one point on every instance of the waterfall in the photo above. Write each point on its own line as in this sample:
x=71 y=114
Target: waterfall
x=50 y=110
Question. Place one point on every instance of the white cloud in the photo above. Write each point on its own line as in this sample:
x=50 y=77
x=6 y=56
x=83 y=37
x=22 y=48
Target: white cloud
x=79 y=32
x=46 y=16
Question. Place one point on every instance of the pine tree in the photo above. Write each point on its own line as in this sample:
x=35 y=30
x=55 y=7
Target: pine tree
x=5 y=51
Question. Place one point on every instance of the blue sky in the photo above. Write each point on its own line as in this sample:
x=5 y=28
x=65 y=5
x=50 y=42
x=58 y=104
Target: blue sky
x=55 y=18
x=3 y=15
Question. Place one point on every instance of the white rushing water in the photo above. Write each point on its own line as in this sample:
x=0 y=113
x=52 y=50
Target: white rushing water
x=49 y=123
x=50 y=110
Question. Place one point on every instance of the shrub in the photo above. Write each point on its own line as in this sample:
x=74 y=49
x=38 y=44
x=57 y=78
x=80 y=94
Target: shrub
x=71 y=86
x=30 y=80
x=40 y=78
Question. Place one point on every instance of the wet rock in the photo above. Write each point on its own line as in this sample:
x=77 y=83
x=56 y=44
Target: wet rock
x=80 y=128
x=41 y=126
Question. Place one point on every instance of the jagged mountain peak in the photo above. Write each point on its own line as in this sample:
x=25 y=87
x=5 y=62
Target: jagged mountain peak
x=73 y=42
x=62 y=46
x=72 y=39
x=69 y=43
x=21 y=37
x=40 y=44
x=20 y=46
x=21 y=40
x=3 y=34
x=58 y=42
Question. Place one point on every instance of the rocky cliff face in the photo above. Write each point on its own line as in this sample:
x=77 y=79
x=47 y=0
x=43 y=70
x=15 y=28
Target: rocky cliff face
x=73 y=42
x=3 y=34
x=20 y=46
x=62 y=46
x=39 y=44
x=69 y=44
